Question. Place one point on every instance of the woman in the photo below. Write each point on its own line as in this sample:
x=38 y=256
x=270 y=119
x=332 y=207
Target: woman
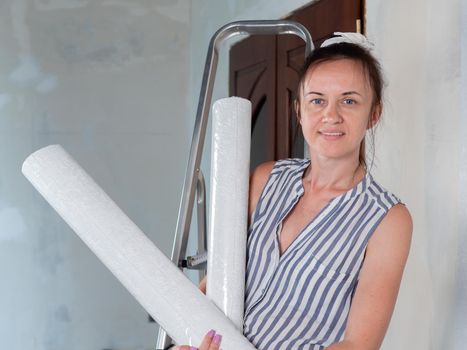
x=327 y=245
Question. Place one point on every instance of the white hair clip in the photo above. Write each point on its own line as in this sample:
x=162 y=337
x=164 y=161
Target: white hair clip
x=351 y=38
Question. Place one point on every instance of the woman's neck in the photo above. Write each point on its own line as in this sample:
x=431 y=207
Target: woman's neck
x=332 y=174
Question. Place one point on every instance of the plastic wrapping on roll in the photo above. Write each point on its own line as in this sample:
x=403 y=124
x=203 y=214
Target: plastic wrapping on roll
x=158 y=285
x=230 y=166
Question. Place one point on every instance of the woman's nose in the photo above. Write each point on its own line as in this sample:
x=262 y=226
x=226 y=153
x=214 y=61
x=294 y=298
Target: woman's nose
x=331 y=114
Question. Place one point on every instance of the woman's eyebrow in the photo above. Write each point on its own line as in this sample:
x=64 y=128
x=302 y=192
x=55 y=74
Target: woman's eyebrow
x=351 y=93
x=344 y=93
x=314 y=93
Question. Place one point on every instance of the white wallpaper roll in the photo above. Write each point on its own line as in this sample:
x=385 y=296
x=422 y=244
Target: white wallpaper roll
x=230 y=166
x=158 y=285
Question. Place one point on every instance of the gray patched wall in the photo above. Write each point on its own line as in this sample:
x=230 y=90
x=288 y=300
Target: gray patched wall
x=108 y=80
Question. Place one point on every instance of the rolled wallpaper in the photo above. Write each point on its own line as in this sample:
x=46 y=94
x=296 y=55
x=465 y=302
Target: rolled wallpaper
x=230 y=166
x=156 y=283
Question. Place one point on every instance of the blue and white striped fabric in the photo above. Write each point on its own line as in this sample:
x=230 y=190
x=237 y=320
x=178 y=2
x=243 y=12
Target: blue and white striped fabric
x=301 y=300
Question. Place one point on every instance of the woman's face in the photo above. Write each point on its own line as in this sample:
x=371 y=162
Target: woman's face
x=336 y=108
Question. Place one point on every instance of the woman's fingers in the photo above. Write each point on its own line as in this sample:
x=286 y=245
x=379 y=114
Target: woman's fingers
x=211 y=341
x=216 y=342
x=207 y=340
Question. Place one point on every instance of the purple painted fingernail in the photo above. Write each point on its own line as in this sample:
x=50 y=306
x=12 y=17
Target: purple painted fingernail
x=217 y=339
x=211 y=333
x=193 y=348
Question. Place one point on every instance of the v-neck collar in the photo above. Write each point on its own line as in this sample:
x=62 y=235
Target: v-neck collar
x=334 y=202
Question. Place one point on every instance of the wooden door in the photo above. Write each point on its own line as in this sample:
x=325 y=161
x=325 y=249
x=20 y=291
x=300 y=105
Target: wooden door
x=253 y=76
x=265 y=69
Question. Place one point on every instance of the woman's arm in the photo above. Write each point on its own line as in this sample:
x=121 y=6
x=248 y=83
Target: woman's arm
x=258 y=180
x=202 y=285
x=379 y=281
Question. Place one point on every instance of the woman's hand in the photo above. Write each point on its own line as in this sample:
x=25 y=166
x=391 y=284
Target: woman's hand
x=211 y=341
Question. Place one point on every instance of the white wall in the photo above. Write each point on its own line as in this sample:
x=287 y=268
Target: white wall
x=109 y=81
x=419 y=157
x=420 y=152
x=460 y=329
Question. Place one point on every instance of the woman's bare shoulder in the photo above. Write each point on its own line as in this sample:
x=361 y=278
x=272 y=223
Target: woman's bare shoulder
x=394 y=231
x=258 y=180
x=398 y=219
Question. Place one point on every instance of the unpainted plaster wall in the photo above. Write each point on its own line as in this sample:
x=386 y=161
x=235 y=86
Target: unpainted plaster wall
x=419 y=157
x=109 y=81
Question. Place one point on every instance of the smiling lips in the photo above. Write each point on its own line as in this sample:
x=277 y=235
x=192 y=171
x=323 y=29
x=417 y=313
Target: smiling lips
x=331 y=133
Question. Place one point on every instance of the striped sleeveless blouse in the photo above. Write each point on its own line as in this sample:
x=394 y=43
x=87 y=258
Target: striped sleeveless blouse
x=301 y=300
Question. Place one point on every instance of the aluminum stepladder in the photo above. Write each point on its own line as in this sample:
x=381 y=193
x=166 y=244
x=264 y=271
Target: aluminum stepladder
x=194 y=180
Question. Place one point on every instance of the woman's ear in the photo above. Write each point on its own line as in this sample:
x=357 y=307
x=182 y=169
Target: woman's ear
x=375 y=115
x=297 y=110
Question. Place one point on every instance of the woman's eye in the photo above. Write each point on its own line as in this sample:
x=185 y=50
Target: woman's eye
x=317 y=101
x=349 y=101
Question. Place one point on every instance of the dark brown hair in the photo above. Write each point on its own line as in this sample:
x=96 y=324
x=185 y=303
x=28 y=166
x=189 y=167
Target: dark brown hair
x=371 y=68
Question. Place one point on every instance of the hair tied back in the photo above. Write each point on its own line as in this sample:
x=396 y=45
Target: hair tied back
x=351 y=38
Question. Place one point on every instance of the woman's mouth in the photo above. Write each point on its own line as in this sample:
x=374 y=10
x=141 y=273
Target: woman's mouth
x=331 y=134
